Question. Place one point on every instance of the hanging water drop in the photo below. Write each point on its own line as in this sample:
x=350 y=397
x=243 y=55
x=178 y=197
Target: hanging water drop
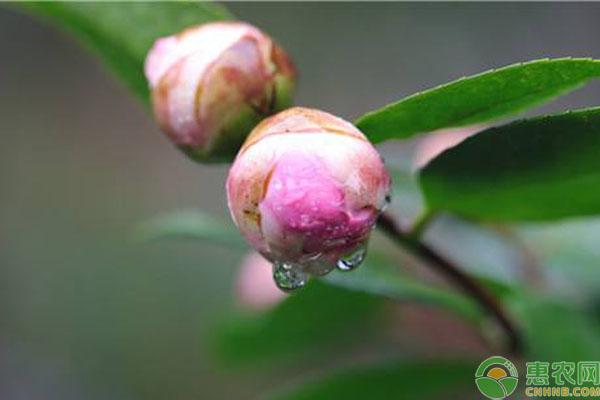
x=353 y=260
x=288 y=276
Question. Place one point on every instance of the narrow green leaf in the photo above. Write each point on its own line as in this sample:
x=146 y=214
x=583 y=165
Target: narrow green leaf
x=378 y=276
x=330 y=312
x=401 y=380
x=317 y=318
x=555 y=330
x=544 y=168
x=381 y=278
x=122 y=33
x=190 y=224
x=479 y=98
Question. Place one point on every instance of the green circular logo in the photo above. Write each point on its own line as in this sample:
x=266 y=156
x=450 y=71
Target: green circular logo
x=496 y=378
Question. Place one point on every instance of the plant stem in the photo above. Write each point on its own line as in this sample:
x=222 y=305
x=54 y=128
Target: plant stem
x=465 y=282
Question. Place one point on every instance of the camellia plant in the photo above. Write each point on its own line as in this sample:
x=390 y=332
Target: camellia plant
x=306 y=189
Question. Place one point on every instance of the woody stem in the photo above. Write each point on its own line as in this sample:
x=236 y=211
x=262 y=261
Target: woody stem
x=452 y=272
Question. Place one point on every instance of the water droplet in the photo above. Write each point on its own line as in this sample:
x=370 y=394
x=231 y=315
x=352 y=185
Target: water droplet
x=288 y=276
x=353 y=260
x=317 y=265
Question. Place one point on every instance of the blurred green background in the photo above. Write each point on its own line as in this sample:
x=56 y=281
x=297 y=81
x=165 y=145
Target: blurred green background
x=85 y=311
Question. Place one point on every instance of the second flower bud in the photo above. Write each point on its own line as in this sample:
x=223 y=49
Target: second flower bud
x=211 y=84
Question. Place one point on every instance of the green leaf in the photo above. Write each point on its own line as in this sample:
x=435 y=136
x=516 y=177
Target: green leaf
x=480 y=98
x=401 y=380
x=122 y=33
x=380 y=277
x=544 y=168
x=190 y=224
x=330 y=312
x=319 y=317
x=555 y=330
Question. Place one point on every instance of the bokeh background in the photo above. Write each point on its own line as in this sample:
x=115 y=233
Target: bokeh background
x=85 y=310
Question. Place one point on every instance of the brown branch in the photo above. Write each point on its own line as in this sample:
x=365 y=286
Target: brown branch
x=465 y=282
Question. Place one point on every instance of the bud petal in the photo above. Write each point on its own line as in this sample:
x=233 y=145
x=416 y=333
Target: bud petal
x=211 y=84
x=306 y=189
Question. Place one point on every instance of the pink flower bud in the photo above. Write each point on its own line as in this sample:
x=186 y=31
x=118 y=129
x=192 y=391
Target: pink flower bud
x=255 y=289
x=211 y=84
x=305 y=190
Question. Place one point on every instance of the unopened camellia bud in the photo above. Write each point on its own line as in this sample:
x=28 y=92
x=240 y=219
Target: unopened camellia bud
x=211 y=84
x=305 y=190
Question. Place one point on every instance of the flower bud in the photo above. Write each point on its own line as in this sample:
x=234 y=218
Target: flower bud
x=305 y=191
x=211 y=84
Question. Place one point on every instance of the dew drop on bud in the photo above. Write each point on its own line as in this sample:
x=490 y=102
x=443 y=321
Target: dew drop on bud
x=352 y=260
x=288 y=276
